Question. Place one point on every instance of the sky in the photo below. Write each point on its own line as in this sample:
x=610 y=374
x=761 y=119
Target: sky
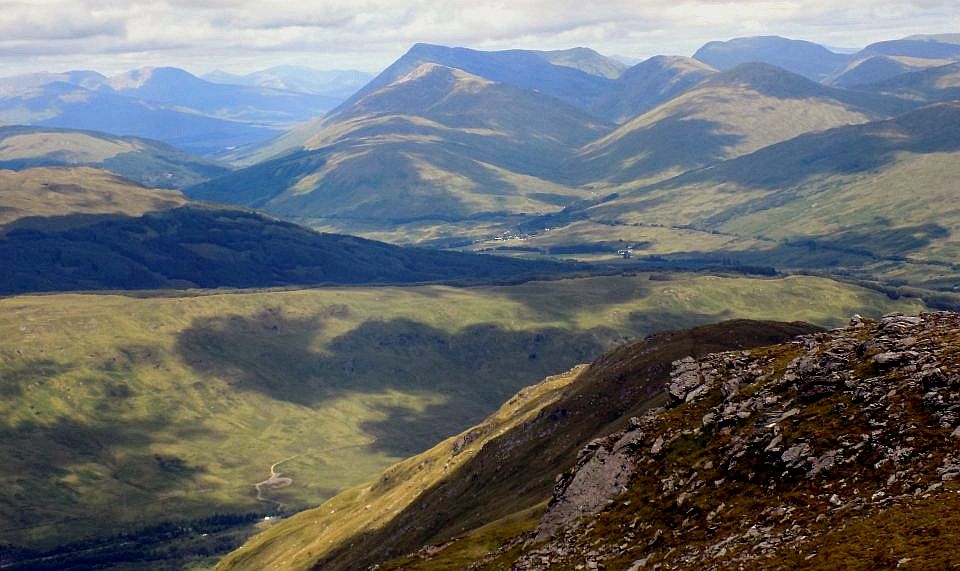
x=112 y=36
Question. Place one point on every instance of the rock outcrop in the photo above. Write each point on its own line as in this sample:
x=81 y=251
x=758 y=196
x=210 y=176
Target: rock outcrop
x=764 y=458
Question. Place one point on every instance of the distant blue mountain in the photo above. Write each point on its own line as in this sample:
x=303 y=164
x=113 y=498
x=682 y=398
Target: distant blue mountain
x=338 y=84
x=166 y=104
x=808 y=59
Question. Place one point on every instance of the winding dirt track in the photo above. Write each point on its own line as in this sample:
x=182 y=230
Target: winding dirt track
x=276 y=481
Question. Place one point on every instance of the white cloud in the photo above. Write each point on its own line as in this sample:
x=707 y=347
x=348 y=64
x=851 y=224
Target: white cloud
x=245 y=34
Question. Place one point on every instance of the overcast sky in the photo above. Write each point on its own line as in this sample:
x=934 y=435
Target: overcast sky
x=240 y=35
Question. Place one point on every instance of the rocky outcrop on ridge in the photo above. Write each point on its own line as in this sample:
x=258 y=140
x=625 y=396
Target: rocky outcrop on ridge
x=780 y=457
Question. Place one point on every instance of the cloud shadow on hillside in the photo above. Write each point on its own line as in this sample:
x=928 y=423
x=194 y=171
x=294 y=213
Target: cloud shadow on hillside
x=473 y=370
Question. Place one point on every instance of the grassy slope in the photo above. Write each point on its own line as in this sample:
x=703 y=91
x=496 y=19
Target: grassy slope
x=300 y=541
x=436 y=143
x=54 y=192
x=882 y=188
x=147 y=162
x=86 y=229
x=730 y=114
x=507 y=473
x=122 y=411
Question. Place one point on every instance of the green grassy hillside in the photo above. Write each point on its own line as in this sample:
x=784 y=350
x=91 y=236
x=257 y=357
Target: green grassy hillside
x=499 y=473
x=43 y=196
x=436 y=144
x=875 y=196
x=150 y=163
x=85 y=229
x=120 y=411
x=730 y=114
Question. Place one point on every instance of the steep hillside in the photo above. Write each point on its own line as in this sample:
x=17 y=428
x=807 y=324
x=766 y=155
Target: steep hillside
x=150 y=163
x=57 y=198
x=504 y=467
x=730 y=114
x=808 y=59
x=793 y=455
x=437 y=143
x=578 y=77
x=648 y=84
x=884 y=60
x=122 y=412
x=829 y=452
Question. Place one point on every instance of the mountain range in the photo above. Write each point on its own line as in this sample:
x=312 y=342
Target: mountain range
x=339 y=84
x=231 y=298
x=164 y=103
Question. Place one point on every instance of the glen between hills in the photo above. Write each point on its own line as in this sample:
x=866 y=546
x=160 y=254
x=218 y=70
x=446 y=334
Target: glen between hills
x=224 y=406
x=753 y=165
x=725 y=446
x=120 y=411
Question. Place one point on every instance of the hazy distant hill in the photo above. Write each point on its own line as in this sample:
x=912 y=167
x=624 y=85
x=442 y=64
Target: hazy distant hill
x=884 y=60
x=808 y=59
x=929 y=85
x=151 y=163
x=253 y=104
x=729 y=114
x=167 y=104
x=66 y=105
x=339 y=84
x=648 y=84
x=438 y=142
x=579 y=77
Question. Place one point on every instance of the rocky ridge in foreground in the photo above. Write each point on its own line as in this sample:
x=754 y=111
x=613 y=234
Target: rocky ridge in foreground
x=839 y=449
